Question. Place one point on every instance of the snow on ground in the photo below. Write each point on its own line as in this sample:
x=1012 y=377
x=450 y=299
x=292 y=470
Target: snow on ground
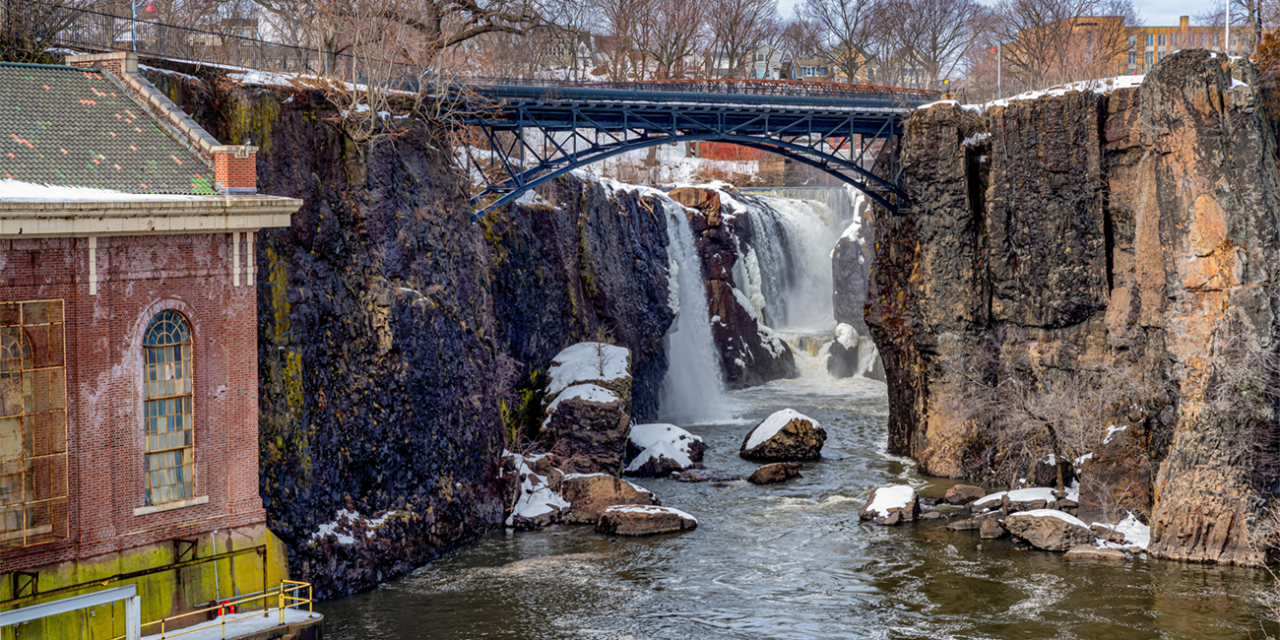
x=17 y=191
x=1052 y=513
x=1135 y=533
x=644 y=508
x=644 y=436
x=1027 y=495
x=536 y=496
x=587 y=361
x=773 y=424
x=661 y=449
x=895 y=497
x=1101 y=86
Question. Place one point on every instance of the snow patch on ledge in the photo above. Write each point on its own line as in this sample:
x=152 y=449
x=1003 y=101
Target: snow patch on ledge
x=587 y=361
x=1051 y=513
x=344 y=523
x=895 y=497
x=650 y=509
x=660 y=449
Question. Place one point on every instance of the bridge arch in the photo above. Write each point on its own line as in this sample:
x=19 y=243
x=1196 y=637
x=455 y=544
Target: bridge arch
x=796 y=120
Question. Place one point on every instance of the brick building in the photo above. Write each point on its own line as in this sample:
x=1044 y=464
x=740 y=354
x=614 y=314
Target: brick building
x=128 y=358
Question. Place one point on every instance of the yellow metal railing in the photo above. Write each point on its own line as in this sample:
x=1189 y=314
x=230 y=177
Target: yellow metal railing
x=288 y=595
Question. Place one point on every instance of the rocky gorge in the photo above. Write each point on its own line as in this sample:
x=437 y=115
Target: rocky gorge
x=1114 y=235
x=404 y=351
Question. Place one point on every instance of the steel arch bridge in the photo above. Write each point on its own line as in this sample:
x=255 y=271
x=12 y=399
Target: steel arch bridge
x=537 y=131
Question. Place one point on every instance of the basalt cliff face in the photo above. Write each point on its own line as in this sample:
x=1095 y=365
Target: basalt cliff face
x=400 y=346
x=1136 y=226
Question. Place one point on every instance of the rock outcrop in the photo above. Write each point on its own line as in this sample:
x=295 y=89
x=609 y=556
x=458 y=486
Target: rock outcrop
x=589 y=495
x=775 y=473
x=1048 y=530
x=399 y=344
x=588 y=412
x=1134 y=228
x=891 y=505
x=749 y=352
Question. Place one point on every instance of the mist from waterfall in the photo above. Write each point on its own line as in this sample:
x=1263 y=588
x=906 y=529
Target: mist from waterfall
x=693 y=389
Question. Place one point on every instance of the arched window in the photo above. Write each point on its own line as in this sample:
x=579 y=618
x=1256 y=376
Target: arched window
x=170 y=426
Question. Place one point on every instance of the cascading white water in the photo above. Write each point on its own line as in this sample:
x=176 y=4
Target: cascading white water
x=693 y=390
x=811 y=234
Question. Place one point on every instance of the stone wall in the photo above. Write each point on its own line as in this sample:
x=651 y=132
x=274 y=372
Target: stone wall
x=1134 y=226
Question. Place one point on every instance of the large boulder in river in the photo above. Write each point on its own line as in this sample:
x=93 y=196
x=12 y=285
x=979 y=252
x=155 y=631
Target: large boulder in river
x=589 y=495
x=786 y=435
x=964 y=494
x=1049 y=529
x=891 y=505
x=588 y=406
x=661 y=459
x=644 y=437
x=640 y=520
x=775 y=473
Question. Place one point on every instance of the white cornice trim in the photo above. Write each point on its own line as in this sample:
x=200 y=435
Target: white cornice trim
x=213 y=214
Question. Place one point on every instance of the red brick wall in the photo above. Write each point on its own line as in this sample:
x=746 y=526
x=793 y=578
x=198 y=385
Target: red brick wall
x=138 y=277
x=727 y=151
x=235 y=173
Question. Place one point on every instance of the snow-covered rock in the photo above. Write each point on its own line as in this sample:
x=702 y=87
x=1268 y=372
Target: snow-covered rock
x=640 y=520
x=891 y=505
x=1131 y=529
x=348 y=526
x=588 y=362
x=537 y=503
x=660 y=459
x=1049 y=529
x=1022 y=499
x=644 y=436
x=588 y=407
x=787 y=435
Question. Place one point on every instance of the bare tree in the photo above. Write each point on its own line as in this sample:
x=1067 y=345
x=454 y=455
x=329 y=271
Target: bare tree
x=847 y=28
x=677 y=29
x=625 y=30
x=800 y=38
x=1054 y=41
x=1027 y=413
x=931 y=36
x=738 y=27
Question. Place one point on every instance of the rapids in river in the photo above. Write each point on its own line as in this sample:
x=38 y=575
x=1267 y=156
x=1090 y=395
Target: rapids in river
x=792 y=560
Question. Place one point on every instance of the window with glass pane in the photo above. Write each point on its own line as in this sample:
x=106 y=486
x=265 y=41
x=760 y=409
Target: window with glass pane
x=170 y=429
x=33 y=423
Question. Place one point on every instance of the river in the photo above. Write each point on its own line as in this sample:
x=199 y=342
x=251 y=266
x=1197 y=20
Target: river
x=794 y=561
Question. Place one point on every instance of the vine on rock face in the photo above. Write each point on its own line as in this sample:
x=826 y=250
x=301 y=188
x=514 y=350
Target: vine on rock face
x=1022 y=410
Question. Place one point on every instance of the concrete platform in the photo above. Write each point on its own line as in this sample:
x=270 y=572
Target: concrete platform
x=297 y=626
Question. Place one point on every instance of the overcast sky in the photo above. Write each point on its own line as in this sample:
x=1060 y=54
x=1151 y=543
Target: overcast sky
x=1156 y=13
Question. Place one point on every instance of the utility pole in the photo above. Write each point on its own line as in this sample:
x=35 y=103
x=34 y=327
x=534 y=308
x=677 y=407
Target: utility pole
x=999 y=70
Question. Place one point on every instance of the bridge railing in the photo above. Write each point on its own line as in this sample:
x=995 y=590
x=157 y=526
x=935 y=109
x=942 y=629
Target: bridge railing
x=729 y=86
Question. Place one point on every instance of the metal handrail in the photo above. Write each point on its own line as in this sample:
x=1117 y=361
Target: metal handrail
x=284 y=597
x=732 y=86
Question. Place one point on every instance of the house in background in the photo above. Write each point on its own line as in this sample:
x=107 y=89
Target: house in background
x=128 y=358
x=764 y=62
x=811 y=69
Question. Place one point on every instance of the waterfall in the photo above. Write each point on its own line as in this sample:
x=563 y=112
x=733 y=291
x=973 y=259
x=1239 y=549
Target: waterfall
x=693 y=390
x=786 y=259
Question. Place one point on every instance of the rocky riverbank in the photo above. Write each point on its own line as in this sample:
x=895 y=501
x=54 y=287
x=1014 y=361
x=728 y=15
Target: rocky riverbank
x=1102 y=235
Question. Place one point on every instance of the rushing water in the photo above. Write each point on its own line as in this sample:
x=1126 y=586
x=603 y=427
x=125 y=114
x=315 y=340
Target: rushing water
x=794 y=561
x=693 y=389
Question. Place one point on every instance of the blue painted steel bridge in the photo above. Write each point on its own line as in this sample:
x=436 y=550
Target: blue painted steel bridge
x=525 y=133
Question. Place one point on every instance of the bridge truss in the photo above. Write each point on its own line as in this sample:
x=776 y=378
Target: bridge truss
x=524 y=135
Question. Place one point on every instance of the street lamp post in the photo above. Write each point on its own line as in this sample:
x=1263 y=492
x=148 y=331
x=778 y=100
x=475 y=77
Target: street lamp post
x=133 y=29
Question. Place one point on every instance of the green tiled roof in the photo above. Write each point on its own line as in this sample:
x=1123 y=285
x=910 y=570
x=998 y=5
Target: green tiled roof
x=69 y=126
